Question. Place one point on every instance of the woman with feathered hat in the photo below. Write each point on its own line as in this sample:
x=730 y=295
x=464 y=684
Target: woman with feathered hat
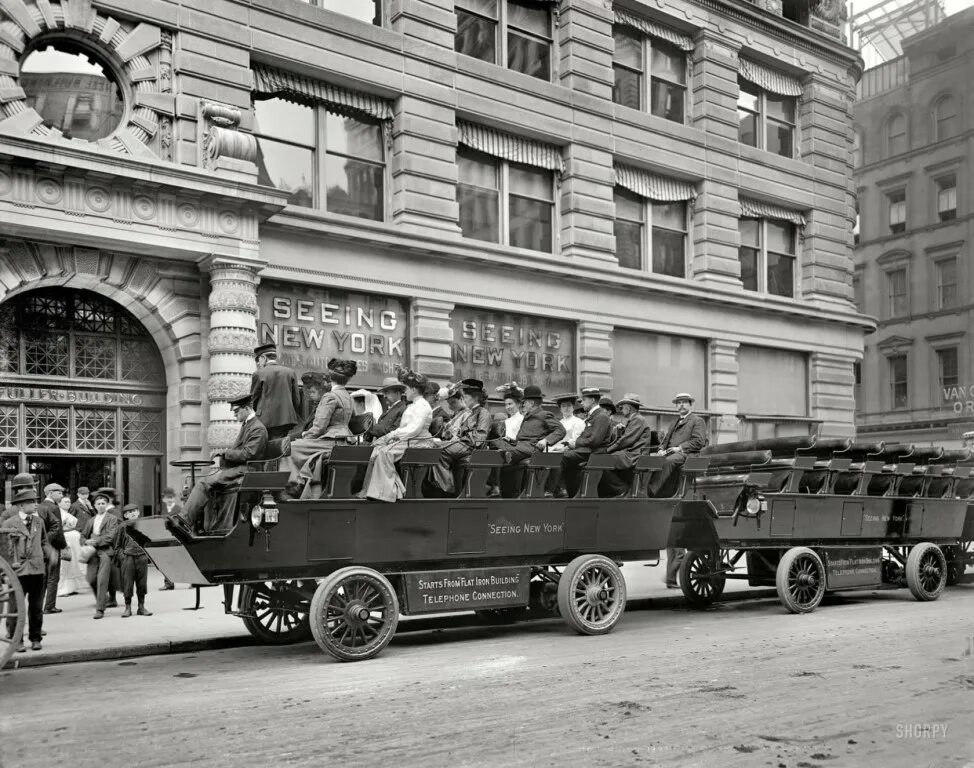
x=330 y=427
x=382 y=481
x=464 y=435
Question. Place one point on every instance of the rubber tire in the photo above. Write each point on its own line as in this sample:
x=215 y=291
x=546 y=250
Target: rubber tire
x=13 y=594
x=917 y=589
x=781 y=580
x=300 y=634
x=320 y=599
x=566 y=586
x=717 y=582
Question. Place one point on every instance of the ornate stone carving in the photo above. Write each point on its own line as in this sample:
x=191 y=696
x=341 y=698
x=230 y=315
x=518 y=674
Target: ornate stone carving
x=221 y=137
x=226 y=387
x=832 y=11
x=232 y=342
x=234 y=300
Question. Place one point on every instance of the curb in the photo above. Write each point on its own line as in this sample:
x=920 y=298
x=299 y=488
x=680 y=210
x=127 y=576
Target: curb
x=419 y=624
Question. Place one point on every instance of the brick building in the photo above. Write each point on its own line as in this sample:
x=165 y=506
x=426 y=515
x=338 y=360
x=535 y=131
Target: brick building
x=646 y=197
x=913 y=140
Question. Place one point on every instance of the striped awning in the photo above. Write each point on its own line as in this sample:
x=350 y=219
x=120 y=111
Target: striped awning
x=653 y=187
x=770 y=80
x=653 y=29
x=270 y=82
x=759 y=209
x=517 y=149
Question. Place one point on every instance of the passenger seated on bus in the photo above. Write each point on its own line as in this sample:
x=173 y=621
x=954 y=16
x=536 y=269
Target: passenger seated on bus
x=329 y=428
x=626 y=448
x=249 y=446
x=382 y=481
x=392 y=392
x=539 y=430
x=313 y=385
x=464 y=436
x=595 y=435
x=686 y=435
x=436 y=396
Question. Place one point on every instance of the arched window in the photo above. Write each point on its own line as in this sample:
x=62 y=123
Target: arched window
x=857 y=148
x=945 y=122
x=896 y=135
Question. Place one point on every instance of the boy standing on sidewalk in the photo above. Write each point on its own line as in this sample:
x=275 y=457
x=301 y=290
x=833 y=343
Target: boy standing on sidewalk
x=135 y=564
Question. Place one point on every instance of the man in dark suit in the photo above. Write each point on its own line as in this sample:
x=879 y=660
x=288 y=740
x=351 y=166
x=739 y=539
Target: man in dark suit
x=82 y=508
x=686 y=435
x=462 y=437
x=49 y=511
x=101 y=533
x=249 y=446
x=314 y=385
x=539 y=431
x=598 y=429
x=392 y=391
x=274 y=393
x=23 y=541
x=626 y=447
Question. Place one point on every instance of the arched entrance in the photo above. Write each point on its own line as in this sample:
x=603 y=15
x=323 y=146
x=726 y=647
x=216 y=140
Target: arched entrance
x=82 y=395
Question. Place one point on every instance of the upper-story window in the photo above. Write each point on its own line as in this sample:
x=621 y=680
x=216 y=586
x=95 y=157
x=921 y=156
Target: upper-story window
x=947 y=367
x=516 y=32
x=896 y=203
x=946 y=282
x=945 y=118
x=767 y=108
x=896 y=293
x=899 y=385
x=369 y=11
x=650 y=73
x=947 y=198
x=769 y=247
x=896 y=136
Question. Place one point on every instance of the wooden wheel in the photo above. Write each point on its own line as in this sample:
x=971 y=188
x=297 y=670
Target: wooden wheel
x=354 y=614
x=800 y=580
x=278 y=611
x=699 y=579
x=592 y=594
x=926 y=571
x=13 y=610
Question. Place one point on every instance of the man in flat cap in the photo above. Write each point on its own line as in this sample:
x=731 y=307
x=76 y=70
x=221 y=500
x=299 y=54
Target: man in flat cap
x=249 y=446
x=101 y=532
x=82 y=507
x=538 y=431
x=464 y=435
x=274 y=393
x=23 y=540
x=627 y=445
x=596 y=434
x=50 y=512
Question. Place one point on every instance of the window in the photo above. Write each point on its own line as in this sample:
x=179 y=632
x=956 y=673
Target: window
x=896 y=292
x=898 y=385
x=667 y=228
x=497 y=197
x=663 y=364
x=947 y=198
x=896 y=135
x=945 y=118
x=765 y=120
x=947 y=283
x=947 y=367
x=663 y=87
x=768 y=255
x=896 y=202
x=347 y=178
x=772 y=381
x=369 y=11
x=506 y=30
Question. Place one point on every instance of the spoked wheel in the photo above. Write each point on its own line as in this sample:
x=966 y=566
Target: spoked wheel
x=592 y=594
x=354 y=614
x=13 y=607
x=800 y=580
x=278 y=611
x=926 y=571
x=699 y=578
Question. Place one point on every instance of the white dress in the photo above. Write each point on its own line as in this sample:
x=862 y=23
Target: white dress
x=382 y=481
x=72 y=576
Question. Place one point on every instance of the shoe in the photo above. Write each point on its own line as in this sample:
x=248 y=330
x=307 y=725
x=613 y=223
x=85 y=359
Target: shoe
x=166 y=587
x=35 y=645
x=53 y=610
x=43 y=633
x=127 y=612
x=143 y=611
x=21 y=648
x=99 y=615
x=549 y=495
x=672 y=586
x=112 y=604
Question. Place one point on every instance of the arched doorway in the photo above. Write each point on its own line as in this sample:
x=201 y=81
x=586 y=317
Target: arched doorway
x=82 y=395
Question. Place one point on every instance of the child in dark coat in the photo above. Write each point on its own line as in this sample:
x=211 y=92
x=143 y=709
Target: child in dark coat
x=135 y=564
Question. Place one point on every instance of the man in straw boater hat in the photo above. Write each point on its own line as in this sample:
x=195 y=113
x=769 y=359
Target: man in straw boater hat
x=539 y=431
x=249 y=446
x=274 y=393
x=23 y=541
x=462 y=436
x=627 y=445
x=596 y=434
x=101 y=534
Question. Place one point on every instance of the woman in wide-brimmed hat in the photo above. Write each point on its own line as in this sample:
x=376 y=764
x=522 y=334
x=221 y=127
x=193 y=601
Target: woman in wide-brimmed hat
x=463 y=436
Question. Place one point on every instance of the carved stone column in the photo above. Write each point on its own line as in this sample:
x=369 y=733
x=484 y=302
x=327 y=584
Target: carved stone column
x=595 y=355
x=723 y=390
x=231 y=342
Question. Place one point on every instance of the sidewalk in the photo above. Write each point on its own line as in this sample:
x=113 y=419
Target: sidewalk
x=75 y=636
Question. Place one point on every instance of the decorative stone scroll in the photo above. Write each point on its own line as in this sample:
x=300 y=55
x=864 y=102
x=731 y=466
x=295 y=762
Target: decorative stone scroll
x=223 y=146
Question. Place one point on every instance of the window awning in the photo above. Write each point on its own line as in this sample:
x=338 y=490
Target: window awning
x=769 y=79
x=652 y=186
x=759 y=209
x=270 y=82
x=653 y=29
x=507 y=146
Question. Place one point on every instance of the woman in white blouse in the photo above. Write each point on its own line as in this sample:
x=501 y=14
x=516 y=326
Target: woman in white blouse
x=382 y=481
x=72 y=576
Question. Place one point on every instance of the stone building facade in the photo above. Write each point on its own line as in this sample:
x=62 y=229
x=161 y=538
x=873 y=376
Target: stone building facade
x=913 y=123
x=644 y=197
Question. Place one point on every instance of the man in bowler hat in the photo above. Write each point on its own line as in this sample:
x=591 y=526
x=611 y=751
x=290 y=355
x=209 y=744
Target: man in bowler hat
x=539 y=431
x=598 y=429
x=24 y=540
x=274 y=393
